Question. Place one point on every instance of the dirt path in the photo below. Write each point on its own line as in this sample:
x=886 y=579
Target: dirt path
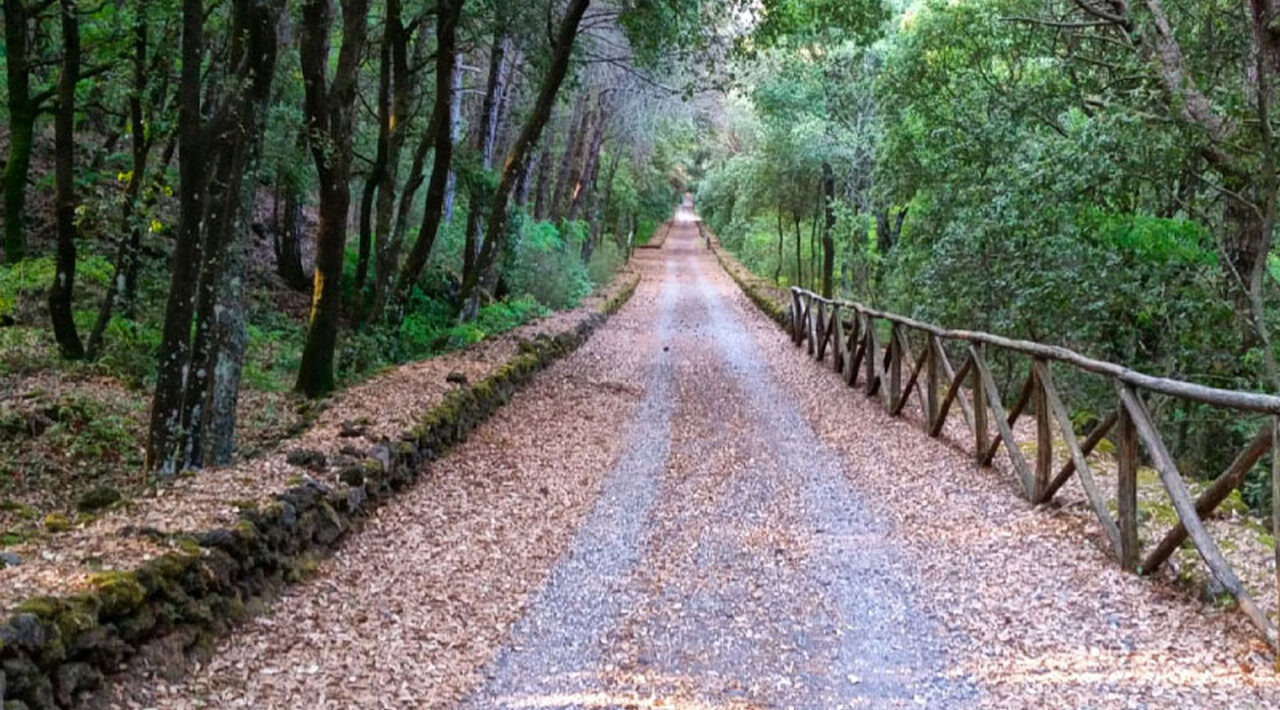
x=671 y=517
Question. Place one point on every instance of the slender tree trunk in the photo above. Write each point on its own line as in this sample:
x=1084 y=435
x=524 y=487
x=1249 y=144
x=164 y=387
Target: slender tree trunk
x=23 y=110
x=217 y=351
x=828 y=227
x=374 y=180
x=586 y=177
x=60 y=293
x=286 y=240
x=795 y=219
x=448 y=13
x=513 y=166
x=569 y=159
x=402 y=93
x=329 y=109
x=140 y=149
x=485 y=136
x=164 y=433
x=777 y=273
x=540 y=198
x=455 y=133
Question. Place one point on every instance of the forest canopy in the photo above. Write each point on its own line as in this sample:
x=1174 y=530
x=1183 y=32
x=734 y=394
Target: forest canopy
x=204 y=198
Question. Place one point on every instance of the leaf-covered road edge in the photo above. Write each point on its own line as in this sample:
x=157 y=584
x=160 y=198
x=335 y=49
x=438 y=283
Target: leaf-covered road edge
x=53 y=648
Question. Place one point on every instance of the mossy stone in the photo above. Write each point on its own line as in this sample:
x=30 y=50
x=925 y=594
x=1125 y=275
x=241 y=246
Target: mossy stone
x=98 y=498
x=56 y=523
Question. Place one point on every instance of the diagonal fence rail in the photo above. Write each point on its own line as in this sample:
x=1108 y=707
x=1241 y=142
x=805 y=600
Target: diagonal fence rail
x=894 y=370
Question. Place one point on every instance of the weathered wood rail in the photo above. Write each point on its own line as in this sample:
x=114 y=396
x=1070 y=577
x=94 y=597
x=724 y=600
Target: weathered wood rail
x=852 y=332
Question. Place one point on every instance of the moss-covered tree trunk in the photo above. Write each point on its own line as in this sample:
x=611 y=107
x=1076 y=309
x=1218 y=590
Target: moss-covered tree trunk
x=828 y=227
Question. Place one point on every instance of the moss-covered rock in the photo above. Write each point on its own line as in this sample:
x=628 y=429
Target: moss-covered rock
x=119 y=592
x=98 y=498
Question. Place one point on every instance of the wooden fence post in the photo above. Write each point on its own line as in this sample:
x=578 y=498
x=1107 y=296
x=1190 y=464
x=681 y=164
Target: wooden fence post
x=979 y=407
x=930 y=381
x=1275 y=512
x=1127 y=488
x=894 y=350
x=1044 y=437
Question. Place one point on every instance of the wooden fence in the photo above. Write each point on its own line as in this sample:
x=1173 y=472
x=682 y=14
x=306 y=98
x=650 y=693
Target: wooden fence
x=894 y=371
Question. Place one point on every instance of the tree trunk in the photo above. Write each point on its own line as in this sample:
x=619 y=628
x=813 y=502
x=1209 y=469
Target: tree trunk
x=828 y=227
x=23 y=110
x=140 y=148
x=402 y=93
x=286 y=240
x=795 y=219
x=543 y=180
x=164 y=432
x=777 y=273
x=566 y=173
x=499 y=215
x=586 y=178
x=60 y=293
x=455 y=133
x=448 y=13
x=485 y=136
x=373 y=181
x=329 y=108
x=236 y=140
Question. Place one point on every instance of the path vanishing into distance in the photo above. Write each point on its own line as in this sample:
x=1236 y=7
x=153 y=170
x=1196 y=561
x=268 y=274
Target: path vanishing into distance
x=675 y=516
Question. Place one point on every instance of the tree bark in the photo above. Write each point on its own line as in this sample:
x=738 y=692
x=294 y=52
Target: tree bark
x=402 y=93
x=329 y=108
x=499 y=215
x=485 y=136
x=447 y=16
x=23 y=109
x=455 y=133
x=164 y=432
x=828 y=227
x=543 y=179
x=567 y=173
x=286 y=240
x=236 y=137
x=118 y=292
x=60 y=293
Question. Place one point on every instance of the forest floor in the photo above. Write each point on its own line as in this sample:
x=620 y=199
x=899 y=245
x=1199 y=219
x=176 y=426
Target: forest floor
x=676 y=516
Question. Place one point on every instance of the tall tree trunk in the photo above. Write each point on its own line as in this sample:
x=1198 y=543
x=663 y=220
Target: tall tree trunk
x=543 y=180
x=485 y=136
x=584 y=182
x=828 y=230
x=286 y=240
x=777 y=273
x=499 y=214
x=566 y=174
x=60 y=293
x=23 y=109
x=373 y=181
x=164 y=432
x=217 y=350
x=455 y=133
x=402 y=92
x=795 y=218
x=448 y=13
x=140 y=149
x=599 y=210
x=328 y=108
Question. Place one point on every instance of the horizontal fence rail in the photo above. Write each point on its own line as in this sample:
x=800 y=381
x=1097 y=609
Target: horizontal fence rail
x=893 y=371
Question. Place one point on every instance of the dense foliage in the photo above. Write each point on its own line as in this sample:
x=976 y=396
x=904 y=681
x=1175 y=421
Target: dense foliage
x=1099 y=175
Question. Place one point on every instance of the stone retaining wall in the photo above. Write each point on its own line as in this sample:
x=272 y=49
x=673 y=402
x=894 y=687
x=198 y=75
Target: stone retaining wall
x=52 y=649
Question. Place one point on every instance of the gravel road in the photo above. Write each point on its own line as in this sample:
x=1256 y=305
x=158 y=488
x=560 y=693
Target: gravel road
x=679 y=515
